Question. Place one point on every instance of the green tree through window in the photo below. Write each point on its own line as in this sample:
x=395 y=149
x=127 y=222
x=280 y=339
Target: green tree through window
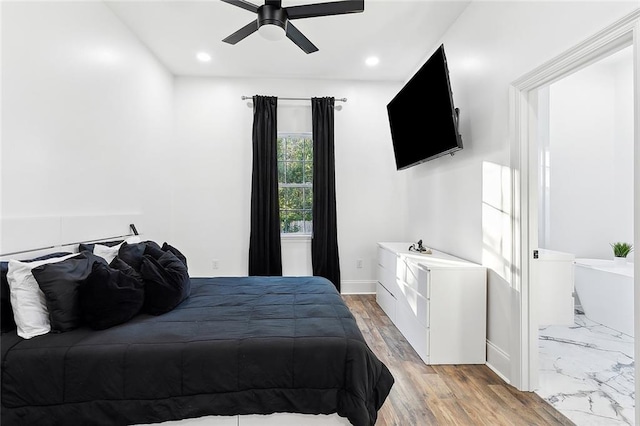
x=295 y=182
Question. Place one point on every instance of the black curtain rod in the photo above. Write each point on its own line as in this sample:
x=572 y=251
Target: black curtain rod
x=244 y=98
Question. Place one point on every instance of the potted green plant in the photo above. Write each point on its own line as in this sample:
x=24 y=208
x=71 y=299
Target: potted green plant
x=620 y=252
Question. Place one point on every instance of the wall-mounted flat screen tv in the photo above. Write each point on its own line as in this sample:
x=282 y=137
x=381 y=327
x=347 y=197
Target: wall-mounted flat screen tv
x=423 y=119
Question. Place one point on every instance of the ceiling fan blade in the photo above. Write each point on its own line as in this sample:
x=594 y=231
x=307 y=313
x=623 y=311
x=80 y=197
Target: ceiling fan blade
x=243 y=4
x=274 y=3
x=325 y=9
x=298 y=38
x=243 y=32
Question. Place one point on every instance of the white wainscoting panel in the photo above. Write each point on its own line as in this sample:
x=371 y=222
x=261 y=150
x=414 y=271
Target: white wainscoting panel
x=89 y=228
x=34 y=233
x=26 y=233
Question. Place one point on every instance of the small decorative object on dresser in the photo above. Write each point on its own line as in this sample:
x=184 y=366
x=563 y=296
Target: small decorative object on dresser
x=437 y=301
x=420 y=248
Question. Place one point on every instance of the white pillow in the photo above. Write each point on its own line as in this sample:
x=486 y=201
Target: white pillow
x=106 y=252
x=109 y=253
x=133 y=240
x=27 y=300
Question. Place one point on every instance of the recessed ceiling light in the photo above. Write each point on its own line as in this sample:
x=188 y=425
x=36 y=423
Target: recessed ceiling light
x=203 y=57
x=372 y=61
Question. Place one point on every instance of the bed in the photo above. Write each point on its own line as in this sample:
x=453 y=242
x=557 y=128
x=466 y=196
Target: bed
x=236 y=345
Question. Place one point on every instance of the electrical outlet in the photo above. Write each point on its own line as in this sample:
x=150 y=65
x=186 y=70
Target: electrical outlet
x=215 y=263
x=359 y=263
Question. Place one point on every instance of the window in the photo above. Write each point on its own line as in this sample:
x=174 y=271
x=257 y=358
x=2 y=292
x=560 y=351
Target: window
x=295 y=182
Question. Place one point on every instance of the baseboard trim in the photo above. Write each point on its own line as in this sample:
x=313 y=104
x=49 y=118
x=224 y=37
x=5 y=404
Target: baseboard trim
x=498 y=361
x=358 y=287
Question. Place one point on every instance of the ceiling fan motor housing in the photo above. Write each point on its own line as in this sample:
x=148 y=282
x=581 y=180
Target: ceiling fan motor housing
x=271 y=15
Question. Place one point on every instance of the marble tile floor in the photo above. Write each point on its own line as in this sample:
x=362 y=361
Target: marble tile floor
x=586 y=372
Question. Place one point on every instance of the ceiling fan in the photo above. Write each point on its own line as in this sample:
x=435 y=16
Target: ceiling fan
x=273 y=19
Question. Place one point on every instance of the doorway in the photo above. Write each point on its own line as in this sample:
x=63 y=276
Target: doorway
x=524 y=166
x=585 y=203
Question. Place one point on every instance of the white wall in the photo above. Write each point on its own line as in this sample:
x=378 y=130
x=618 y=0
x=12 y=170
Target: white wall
x=86 y=116
x=591 y=152
x=212 y=173
x=461 y=204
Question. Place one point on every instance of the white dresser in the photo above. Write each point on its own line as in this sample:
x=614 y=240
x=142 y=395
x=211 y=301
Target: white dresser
x=437 y=301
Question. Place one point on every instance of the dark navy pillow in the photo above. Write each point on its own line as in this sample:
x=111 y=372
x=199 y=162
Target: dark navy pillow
x=152 y=244
x=60 y=282
x=166 y=282
x=132 y=254
x=153 y=250
x=111 y=295
x=179 y=255
x=7 y=322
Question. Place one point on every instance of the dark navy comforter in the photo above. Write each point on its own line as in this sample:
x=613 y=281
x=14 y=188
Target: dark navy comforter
x=237 y=345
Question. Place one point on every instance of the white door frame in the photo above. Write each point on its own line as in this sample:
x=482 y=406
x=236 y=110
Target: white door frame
x=524 y=162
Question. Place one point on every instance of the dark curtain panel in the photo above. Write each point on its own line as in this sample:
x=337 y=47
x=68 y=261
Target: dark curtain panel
x=324 y=245
x=265 y=256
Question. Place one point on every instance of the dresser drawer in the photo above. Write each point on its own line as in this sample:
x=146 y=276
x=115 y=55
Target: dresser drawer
x=386 y=301
x=415 y=304
x=418 y=279
x=416 y=333
x=386 y=275
x=389 y=260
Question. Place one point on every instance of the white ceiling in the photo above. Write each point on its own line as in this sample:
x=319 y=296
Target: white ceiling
x=401 y=33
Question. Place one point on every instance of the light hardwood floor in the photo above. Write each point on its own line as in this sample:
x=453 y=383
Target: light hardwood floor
x=442 y=394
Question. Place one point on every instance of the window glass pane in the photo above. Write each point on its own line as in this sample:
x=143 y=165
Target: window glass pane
x=292 y=221
x=293 y=217
x=308 y=149
x=295 y=177
x=294 y=171
x=287 y=147
x=288 y=224
x=308 y=220
x=290 y=198
x=280 y=149
x=281 y=175
x=307 y=198
x=282 y=200
x=308 y=172
x=295 y=149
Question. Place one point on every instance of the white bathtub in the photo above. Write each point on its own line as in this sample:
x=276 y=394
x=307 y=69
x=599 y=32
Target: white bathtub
x=606 y=292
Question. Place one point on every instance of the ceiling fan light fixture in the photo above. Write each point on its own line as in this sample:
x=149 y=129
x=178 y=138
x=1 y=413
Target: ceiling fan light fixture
x=272 y=22
x=272 y=32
